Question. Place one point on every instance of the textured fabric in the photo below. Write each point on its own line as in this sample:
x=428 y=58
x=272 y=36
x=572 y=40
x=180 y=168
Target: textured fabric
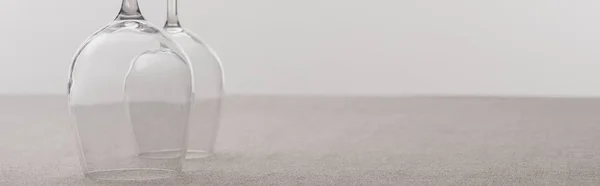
x=343 y=141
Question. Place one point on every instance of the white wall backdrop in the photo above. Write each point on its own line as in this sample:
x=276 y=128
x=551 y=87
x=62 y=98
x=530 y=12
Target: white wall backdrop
x=345 y=47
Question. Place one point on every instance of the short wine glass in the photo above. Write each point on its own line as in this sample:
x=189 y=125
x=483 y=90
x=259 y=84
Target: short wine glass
x=208 y=85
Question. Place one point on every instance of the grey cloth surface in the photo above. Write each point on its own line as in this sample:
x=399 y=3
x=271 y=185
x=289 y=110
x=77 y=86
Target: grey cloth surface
x=342 y=141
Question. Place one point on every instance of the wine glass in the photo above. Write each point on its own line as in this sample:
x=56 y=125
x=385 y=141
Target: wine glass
x=208 y=85
x=130 y=91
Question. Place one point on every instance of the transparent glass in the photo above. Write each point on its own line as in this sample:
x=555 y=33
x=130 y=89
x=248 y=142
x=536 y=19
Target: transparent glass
x=208 y=85
x=130 y=91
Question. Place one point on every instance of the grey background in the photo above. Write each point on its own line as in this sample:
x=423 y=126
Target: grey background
x=337 y=47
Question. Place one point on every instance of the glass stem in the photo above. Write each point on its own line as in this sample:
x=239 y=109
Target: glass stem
x=172 y=18
x=130 y=10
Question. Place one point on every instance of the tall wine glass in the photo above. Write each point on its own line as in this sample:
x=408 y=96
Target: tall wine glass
x=208 y=85
x=130 y=91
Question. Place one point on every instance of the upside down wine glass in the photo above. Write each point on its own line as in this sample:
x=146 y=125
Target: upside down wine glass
x=130 y=92
x=208 y=85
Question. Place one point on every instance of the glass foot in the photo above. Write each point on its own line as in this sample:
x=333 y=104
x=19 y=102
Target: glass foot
x=131 y=174
x=163 y=154
x=197 y=154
